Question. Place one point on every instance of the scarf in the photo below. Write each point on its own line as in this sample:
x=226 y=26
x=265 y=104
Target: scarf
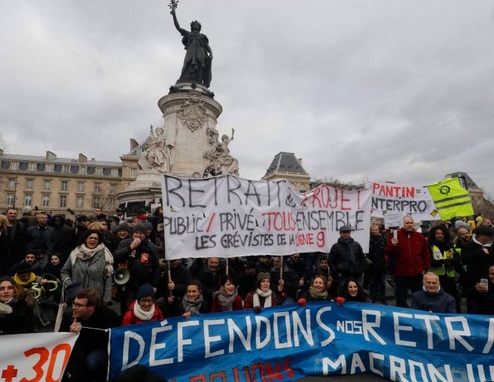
x=425 y=290
x=488 y=245
x=442 y=245
x=225 y=300
x=193 y=307
x=268 y=295
x=318 y=295
x=32 y=278
x=83 y=253
x=349 y=249
x=141 y=314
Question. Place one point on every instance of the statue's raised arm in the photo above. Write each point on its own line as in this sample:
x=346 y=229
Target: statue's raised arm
x=197 y=63
x=175 y=21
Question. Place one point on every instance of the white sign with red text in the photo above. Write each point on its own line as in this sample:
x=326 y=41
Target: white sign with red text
x=395 y=199
x=226 y=216
x=40 y=357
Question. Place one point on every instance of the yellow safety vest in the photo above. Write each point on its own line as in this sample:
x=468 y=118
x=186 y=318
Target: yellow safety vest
x=438 y=255
x=451 y=199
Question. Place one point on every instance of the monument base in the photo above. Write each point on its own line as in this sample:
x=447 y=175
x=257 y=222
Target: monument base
x=146 y=188
x=185 y=87
x=188 y=140
x=188 y=114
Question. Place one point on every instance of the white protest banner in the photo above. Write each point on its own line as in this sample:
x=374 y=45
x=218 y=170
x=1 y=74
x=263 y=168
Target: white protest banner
x=227 y=216
x=39 y=357
x=412 y=200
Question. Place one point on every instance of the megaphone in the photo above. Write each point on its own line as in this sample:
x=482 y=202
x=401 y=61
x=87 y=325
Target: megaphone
x=121 y=276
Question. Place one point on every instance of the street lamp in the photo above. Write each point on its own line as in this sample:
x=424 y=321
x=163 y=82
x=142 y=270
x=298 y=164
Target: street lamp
x=15 y=191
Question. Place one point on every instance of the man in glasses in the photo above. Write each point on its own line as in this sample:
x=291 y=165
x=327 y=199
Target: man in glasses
x=89 y=356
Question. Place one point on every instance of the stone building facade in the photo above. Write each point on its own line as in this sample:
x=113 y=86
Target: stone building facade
x=59 y=185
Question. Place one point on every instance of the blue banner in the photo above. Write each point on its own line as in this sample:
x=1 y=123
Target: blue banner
x=290 y=342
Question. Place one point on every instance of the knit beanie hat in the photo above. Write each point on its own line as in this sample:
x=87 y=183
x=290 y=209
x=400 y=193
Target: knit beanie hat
x=24 y=269
x=140 y=227
x=461 y=223
x=124 y=226
x=263 y=275
x=145 y=290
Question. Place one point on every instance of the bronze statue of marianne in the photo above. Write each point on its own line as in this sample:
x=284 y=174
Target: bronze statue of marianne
x=197 y=62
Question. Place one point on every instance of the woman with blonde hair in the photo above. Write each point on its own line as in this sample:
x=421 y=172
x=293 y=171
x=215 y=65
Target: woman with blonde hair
x=4 y=223
x=316 y=292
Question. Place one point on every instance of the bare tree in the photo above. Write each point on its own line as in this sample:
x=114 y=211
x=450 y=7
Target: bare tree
x=106 y=198
x=3 y=145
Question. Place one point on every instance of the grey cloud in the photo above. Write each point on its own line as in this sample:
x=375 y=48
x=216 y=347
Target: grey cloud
x=382 y=90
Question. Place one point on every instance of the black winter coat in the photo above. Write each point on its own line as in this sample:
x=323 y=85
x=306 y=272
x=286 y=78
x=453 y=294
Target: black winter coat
x=347 y=258
x=376 y=254
x=142 y=262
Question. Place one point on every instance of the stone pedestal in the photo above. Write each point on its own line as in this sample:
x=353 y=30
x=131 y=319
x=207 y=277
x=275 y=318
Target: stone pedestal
x=146 y=188
x=188 y=113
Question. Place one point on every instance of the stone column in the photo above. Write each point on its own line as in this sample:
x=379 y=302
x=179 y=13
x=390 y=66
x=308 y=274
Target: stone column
x=188 y=113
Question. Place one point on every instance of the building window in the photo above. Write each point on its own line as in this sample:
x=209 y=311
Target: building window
x=11 y=183
x=113 y=189
x=63 y=201
x=114 y=172
x=97 y=188
x=47 y=185
x=29 y=184
x=99 y=171
x=96 y=202
x=28 y=200
x=80 y=186
x=133 y=172
x=45 y=201
x=111 y=203
x=49 y=168
x=79 y=202
x=31 y=167
x=10 y=199
x=64 y=186
x=83 y=170
x=14 y=166
x=65 y=168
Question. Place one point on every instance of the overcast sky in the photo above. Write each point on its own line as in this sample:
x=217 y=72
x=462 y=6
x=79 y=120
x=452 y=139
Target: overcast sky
x=384 y=90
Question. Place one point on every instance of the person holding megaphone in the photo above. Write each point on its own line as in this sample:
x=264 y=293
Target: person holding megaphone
x=141 y=256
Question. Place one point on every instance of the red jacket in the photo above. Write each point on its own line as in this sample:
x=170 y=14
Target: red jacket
x=237 y=305
x=130 y=318
x=411 y=254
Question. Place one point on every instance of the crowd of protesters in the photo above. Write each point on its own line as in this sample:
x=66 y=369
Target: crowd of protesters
x=432 y=267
